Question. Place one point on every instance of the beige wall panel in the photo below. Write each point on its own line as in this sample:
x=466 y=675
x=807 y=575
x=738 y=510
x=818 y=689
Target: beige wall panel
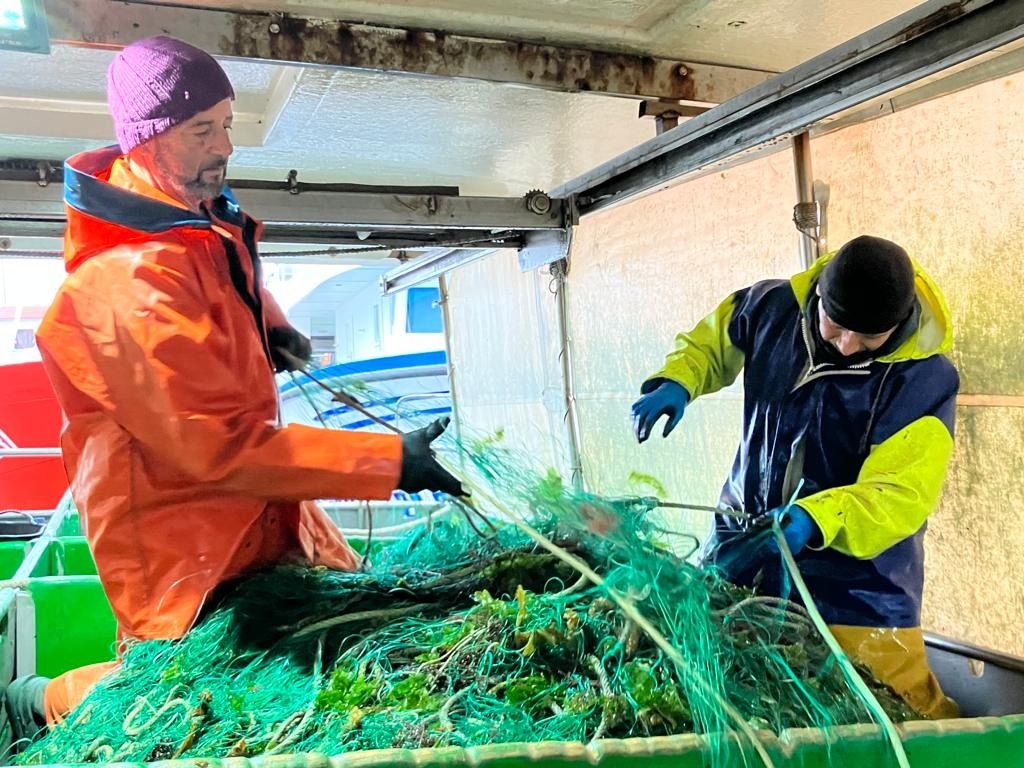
x=946 y=180
x=975 y=589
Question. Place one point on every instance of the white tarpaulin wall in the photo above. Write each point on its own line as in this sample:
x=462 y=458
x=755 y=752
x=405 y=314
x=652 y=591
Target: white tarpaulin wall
x=505 y=356
x=640 y=274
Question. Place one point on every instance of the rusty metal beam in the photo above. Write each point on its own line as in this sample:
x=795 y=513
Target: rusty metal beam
x=33 y=207
x=333 y=43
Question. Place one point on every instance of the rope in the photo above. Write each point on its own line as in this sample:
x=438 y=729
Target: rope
x=851 y=674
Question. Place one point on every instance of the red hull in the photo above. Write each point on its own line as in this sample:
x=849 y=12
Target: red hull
x=29 y=418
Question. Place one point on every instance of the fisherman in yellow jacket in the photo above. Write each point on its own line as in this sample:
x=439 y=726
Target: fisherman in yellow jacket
x=849 y=408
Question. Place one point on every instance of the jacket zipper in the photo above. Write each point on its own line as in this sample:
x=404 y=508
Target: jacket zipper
x=814 y=372
x=811 y=373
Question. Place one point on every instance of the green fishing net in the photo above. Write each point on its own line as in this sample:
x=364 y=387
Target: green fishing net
x=466 y=631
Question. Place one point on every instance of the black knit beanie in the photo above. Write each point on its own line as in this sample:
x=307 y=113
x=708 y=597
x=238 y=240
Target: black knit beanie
x=868 y=286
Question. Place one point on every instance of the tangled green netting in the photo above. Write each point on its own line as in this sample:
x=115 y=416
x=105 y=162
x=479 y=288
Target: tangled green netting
x=465 y=632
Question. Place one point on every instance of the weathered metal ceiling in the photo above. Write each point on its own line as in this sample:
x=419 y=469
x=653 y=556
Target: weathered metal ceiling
x=761 y=34
x=486 y=138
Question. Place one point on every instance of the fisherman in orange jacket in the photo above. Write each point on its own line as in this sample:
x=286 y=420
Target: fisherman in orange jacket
x=162 y=345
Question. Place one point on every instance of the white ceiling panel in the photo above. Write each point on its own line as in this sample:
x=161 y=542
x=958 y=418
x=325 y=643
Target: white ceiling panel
x=357 y=127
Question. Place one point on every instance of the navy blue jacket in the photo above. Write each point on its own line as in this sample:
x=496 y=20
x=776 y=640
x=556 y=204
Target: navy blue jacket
x=870 y=443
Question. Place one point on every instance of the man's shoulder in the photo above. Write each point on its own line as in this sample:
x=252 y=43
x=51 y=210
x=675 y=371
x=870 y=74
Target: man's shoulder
x=170 y=247
x=936 y=370
x=165 y=260
x=769 y=296
x=774 y=288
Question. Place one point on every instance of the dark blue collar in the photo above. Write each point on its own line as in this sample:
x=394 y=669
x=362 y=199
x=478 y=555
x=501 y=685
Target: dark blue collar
x=90 y=195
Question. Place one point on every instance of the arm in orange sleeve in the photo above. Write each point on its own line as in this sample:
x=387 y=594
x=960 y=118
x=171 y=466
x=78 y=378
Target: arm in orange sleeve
x=163 y=376
x=273 y=315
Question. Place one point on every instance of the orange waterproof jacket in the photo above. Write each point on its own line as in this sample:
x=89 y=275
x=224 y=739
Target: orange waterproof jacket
x=156 y=347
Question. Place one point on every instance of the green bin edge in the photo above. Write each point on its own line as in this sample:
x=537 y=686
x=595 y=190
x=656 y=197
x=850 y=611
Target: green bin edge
x=75 y=556
x=11 y=555
x=979 y=743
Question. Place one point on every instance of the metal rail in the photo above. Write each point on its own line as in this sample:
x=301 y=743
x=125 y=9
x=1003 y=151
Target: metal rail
x=931 y=38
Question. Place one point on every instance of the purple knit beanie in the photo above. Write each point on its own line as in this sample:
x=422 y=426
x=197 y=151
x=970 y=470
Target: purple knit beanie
x=159 y=82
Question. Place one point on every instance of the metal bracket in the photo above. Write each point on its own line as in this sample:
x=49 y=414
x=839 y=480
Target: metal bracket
x=544 y=247
x=667 y=114
x=548 y=246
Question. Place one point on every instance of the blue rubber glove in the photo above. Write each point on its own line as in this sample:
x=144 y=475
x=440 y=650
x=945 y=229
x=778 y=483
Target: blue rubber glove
x=798 y=527
x=741 y=558
x=668 y=399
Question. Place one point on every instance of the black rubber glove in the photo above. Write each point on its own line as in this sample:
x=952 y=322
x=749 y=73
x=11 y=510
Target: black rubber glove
x=287 y=338
x=420 y=470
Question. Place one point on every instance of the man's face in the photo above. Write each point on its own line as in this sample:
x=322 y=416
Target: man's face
x=846 y=342
x=190 y=160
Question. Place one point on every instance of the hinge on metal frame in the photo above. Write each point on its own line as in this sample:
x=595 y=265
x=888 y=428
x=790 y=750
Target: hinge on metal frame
x=44 y=170
x=548 y=246
x=559 y=269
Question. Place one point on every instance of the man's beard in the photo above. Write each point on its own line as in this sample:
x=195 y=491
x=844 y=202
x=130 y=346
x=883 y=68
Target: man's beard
x=826 y=351
x=829 y=353
x=202 y=188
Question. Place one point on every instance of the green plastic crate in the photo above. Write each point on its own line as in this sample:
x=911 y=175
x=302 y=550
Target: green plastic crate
x=65 y=556
x=73 y=622
x=73 y=556
x=7 y=601
x=61 y=617
x=66 y=594
x=65 y=518
x=12 y=553
x=69 y=526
